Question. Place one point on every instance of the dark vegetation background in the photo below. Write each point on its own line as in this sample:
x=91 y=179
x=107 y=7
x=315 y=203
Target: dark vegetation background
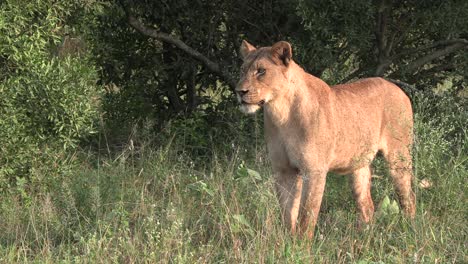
x=106 y=106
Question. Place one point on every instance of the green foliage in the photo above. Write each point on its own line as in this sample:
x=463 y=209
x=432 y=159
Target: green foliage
x=49 y=100
x=335 y=40
x=210 y=133
x=389 y=207
x=349 y=39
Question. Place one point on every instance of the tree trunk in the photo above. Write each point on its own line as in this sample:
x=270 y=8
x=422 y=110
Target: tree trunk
x=170 y=84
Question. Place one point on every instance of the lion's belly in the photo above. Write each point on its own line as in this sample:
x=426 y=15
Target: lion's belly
x=357 y=138
x=345 y=162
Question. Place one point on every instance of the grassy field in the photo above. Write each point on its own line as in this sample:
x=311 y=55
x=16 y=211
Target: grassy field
x=151 y=204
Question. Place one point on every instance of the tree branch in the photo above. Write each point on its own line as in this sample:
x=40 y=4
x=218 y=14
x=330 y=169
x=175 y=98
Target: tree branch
x=153 y=33
x=439 y=68
x=437 y=54
x=430 y=46
x=390 y=42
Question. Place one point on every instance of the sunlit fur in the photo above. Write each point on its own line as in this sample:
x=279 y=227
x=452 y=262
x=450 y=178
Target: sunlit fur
x=249 y=108
x=312 y=128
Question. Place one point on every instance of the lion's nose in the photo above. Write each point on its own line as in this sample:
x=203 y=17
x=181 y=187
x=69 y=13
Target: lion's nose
x=242 y=92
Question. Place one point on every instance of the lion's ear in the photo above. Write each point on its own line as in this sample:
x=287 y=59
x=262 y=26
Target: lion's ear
x=245 y=49
x=282 y=52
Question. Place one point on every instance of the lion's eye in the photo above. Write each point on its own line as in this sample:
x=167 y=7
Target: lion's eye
x=260 y=71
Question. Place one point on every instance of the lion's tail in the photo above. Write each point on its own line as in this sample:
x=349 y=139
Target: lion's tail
x=406 y=87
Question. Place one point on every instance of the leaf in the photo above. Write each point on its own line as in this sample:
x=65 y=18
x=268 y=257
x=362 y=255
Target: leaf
x=254 y=174
x=385 y=203
x=287 y=250
x=240 y=219
x=244 y=172
x=241 y=172
x=393 y=208
x=201 y=187
x=242 y=224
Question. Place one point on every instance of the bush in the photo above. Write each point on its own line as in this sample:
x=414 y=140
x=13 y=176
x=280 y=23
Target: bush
x=49 y=99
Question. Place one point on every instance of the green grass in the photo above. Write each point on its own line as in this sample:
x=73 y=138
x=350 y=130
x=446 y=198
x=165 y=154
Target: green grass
x=163 y=205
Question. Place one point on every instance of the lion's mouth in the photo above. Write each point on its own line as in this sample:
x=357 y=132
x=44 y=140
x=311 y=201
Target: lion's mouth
x=259 y=103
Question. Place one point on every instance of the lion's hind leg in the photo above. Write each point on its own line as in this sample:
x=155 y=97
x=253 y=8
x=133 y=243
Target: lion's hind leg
x=399 y=161
x=361 y=184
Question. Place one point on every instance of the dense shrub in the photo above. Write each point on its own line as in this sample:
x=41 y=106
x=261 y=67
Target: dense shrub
x=49 y=97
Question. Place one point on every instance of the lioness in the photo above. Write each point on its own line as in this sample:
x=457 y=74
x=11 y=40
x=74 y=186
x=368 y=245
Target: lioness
x=312 y=128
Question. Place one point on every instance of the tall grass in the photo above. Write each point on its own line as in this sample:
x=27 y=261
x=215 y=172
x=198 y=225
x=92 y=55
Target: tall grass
x=162 y=205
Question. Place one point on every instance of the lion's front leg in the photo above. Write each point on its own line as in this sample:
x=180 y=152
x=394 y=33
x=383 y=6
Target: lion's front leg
x=289 y=190
x=312 y=193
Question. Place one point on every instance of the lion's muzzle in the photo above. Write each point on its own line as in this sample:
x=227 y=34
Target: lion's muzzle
x=249 y=98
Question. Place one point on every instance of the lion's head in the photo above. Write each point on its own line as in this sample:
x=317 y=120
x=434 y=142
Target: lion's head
x=263 y=75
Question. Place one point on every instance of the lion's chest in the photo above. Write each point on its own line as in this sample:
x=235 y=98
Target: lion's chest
x=294 y=150
x=290 y=145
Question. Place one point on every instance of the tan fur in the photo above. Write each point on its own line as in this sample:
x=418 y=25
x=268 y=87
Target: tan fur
x=312 y=128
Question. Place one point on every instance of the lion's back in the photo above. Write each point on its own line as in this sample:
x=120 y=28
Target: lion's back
x=371 y=94
x=369 y=88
